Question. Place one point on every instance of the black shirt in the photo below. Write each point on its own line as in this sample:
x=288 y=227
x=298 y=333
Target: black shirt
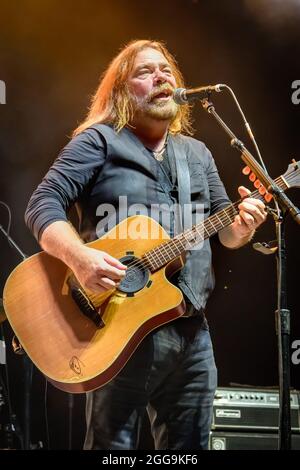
x=99 y=165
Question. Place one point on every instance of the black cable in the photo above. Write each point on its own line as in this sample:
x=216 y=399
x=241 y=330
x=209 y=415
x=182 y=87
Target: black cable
x=251 y=135
x=6 y=390
x=9 y=219
x=46 y=415
x=14 y=425
x=247 y=125
x=6 y=387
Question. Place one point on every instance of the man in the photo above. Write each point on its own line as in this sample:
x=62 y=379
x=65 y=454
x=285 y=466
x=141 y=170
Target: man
x=126 y=147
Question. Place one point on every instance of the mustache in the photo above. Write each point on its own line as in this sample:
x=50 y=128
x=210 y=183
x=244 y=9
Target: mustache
x=160 y=89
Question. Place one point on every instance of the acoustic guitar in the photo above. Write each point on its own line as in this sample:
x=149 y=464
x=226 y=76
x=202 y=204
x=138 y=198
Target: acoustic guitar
x=79 y=339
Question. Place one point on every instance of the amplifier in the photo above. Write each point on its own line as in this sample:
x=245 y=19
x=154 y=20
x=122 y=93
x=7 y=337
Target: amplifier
x=219 y=440
x=251 y=409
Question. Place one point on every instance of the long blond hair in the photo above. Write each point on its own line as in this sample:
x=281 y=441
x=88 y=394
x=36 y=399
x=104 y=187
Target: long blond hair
x=111 y=102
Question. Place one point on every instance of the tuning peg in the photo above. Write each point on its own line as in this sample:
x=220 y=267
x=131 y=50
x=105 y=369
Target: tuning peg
x=252 y=177
x=268 y=197
x=262 y=190
x=257 y=184
x=246 y=170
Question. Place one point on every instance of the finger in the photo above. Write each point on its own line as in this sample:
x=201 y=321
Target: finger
x=243 y=192
x=254 y=202
x=114 y=262
x=252 y=209
x=107 y=283
x=112 y=268
x=242 y=223
x=105 y=270
x=256 y=212
x=248 y=219
x=238 y=220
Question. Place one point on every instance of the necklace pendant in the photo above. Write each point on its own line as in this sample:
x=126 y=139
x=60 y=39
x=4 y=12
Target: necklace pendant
x=159 y=156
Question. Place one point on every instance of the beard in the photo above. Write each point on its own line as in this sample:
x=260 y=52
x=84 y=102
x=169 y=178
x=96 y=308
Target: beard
x=160 y=110
x=155 y=108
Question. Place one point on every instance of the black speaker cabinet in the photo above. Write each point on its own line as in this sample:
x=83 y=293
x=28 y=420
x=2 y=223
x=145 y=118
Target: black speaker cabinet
x=247 y=441
x=251 y=409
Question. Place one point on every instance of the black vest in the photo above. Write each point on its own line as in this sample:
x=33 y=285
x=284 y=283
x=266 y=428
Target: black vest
x=130 y=171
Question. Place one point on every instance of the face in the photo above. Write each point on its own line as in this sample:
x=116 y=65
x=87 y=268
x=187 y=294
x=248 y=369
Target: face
x=151 y=84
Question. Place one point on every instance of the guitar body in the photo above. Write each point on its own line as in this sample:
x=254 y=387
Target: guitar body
x=73 y=352
x=80 y=340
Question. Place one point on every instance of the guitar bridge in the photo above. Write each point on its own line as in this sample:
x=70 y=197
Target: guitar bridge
x=84 y=303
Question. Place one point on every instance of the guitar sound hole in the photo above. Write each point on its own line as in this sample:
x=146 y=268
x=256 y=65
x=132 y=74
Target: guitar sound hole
x=137 y=275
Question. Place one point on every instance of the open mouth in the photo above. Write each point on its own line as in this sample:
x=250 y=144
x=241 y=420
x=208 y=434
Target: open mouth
x=164 y=95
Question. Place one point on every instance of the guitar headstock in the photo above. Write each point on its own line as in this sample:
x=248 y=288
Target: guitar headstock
x=257 y=184
x=292 y=174
x=291 y=179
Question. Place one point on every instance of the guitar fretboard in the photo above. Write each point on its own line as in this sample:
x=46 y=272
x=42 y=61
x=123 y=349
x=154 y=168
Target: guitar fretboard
x=168 y=251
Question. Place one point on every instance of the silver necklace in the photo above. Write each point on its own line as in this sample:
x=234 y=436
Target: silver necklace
x=159 y=156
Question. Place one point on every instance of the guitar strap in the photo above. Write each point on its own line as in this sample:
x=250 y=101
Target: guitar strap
x=180 y=172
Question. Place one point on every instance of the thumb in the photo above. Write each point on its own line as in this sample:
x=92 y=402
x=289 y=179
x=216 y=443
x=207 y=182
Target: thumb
x=243 y=192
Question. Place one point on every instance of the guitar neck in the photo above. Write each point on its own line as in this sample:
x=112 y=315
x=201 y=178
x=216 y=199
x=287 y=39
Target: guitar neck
x=187 y=240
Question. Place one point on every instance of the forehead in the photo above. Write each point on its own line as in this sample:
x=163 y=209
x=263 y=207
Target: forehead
x=148 y=56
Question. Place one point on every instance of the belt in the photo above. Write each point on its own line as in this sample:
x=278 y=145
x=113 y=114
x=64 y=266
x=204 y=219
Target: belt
x=192 y=318
x=191 y=311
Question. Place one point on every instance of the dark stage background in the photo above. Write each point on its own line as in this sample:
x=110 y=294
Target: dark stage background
x=51 y=55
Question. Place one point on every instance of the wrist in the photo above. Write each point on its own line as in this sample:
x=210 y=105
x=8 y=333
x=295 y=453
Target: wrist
x=74 y=253
x=244 y=238
x=233 y=237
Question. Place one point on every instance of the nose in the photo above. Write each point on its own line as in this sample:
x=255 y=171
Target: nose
x=159 y=77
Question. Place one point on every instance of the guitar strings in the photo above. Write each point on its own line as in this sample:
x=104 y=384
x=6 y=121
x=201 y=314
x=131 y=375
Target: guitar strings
x=157 y=253
x=233 y=207
x=158 y=250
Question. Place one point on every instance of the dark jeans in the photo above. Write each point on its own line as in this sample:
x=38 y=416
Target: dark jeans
x=173 y=376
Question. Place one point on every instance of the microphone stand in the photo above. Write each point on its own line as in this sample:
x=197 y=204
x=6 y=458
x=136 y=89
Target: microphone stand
x=282 y=314
x=28 y=366
x=12 y=242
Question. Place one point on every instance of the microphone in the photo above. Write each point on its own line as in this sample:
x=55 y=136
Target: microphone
x=183 y=95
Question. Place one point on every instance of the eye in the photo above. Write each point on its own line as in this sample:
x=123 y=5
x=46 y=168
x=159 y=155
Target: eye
x=143 y=71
